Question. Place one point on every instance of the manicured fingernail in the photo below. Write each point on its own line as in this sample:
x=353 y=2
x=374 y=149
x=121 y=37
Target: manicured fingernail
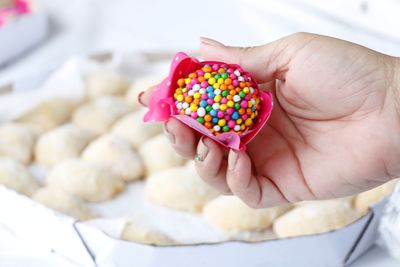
x=209 y=41
x=232 y=159
x=202 y=151
x=139 y=99
x=168 y=133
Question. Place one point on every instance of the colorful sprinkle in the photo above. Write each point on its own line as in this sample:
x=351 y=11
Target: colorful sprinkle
x=220 y=97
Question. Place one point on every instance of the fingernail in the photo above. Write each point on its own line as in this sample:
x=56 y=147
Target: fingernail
x=209 y=41
x=232 y=159
x=139 y=99
x=167 y=132
x=202 y=150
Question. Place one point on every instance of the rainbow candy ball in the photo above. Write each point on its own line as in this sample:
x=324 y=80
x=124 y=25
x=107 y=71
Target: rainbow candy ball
x=220 y=97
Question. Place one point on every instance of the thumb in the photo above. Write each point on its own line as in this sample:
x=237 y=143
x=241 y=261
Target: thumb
x=265 y=62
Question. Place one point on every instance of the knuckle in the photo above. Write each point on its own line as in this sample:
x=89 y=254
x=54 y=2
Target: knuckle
x=299 y=35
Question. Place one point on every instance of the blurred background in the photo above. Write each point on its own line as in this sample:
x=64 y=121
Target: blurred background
x=92 y=26
x=58 y=30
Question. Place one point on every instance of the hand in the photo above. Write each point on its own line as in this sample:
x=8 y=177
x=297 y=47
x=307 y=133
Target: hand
x=334 y=130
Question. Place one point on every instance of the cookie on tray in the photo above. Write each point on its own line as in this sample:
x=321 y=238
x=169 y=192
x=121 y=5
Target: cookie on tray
x=57 y=199
x=314 y=218
x=16 y=176
x=158 y=155
x=140 y=85
x=364 y=200
x=229 y=213
x=179 y=188
x=86 y=180
x=132 y=128
x=62 y=143
x=115 y=154
x=50 y=113
x=99 y=114
x=106 y=82
x=16 y=141
x=145 y=234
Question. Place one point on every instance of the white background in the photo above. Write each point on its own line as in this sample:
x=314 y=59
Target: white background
x=90 y=26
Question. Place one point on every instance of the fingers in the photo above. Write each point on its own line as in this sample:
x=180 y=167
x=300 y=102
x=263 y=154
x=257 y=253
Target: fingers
x=182 y=138
x=210 y=164
x=265 y=62
x=255 y=191
x=144 y=97
x=233 y=177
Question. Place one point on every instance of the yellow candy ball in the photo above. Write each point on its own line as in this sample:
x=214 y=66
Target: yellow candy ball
x=217 y=98
x=197 y=95
x=222 y=122
x=193 y=107
x=230 y=103
x=179 y=98
x=207 y=75
x=211 y=81
x=223 y=107
x=248 y=122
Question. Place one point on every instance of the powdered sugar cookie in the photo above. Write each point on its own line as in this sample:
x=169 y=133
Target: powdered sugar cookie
x=59 y=144
x=105 y=82
x=140 y=85
x=179 y=188
x=86 y=180
x=15 y=176
x=50 y=113
x=364 y=200
x=146 y=234
x=229 y=213
x=115 y=154
x=16 y=141
x=57 y=199
x=132 y=128
x=158 y=155
x=315 y=218
x=98 y=115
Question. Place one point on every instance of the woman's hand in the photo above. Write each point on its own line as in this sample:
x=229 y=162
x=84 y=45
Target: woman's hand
x=334 y=130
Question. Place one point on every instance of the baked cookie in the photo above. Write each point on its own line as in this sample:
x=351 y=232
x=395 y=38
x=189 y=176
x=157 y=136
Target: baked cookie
x=158 y=155
x=88 y=181
x=57 y=199
x=50 y=113
x=229 y=213
x=98 y=115
x=59 y=144
x=115 y=154
x=145 y=234
x=132 y=128
x=140 y=85
x=15 y=176
x=105 y=82
x=16 y=141
x=366 y=199
x=179 y=188
x=314 y=218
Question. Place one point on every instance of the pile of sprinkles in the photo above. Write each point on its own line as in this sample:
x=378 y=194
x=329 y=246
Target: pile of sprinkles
x=222 y=98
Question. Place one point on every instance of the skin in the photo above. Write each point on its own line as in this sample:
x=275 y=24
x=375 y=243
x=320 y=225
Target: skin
x=334 y=130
